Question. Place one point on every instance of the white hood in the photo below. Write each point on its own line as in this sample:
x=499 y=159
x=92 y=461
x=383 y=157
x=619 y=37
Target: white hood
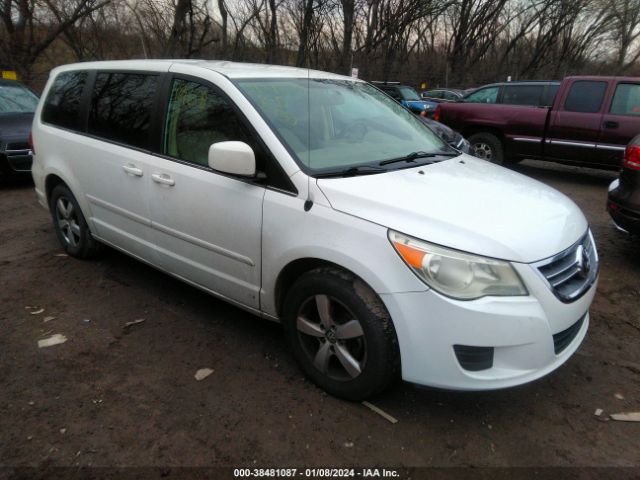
x=467 y=204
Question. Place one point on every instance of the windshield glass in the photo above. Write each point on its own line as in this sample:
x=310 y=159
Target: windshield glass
x=17 y=99
x=409 y=93
x=351 y=123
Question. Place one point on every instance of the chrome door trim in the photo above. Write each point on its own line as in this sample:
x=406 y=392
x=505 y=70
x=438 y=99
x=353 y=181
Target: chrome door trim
x=553 y=141
x=617 y=148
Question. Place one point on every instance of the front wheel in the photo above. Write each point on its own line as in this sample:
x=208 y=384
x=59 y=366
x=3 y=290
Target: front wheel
x=341 y=334
x=487 y=146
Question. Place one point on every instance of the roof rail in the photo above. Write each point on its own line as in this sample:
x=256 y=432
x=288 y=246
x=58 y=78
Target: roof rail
x=384 y=83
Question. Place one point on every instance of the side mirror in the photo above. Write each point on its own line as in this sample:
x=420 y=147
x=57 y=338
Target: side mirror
x=234 y=158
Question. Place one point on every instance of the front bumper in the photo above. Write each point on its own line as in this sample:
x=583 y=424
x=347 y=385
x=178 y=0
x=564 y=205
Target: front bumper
x=519 y=331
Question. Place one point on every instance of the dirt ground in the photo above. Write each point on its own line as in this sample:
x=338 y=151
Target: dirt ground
x=126 y=396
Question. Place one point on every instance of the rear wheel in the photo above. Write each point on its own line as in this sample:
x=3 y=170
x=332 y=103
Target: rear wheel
x=487 y=146
x=70 y=225
x=341 y=334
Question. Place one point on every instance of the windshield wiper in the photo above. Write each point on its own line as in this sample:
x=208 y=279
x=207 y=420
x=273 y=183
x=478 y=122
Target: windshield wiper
x=352 y=171
x=415 y=155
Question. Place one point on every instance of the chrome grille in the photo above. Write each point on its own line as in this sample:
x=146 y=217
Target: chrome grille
x=570 y=273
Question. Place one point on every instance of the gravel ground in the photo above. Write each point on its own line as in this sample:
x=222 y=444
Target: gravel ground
x=126 y=396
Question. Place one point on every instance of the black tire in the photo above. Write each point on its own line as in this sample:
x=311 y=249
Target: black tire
x=70 y=225
x=375 y=348
x=487 y=147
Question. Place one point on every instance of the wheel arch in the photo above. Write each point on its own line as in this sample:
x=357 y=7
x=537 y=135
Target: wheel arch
x=296 y=268
x=52 y=181
x=474 y=129
x=57 y=176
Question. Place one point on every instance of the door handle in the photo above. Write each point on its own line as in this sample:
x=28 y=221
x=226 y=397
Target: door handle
x=132 y=170
x=163 y=179
x=611 y=124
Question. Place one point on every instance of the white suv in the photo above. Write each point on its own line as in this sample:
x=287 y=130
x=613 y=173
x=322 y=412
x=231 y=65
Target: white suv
x=318 y=201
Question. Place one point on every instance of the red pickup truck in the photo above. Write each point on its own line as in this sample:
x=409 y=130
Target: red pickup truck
x=589 y=123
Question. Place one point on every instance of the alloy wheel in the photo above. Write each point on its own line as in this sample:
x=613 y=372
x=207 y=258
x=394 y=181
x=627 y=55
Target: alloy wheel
x=332 y=337
x=67 y=219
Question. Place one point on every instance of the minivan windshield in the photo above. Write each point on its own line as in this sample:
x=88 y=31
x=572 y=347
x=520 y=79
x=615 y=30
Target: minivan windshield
x=17 y=99
x=338 y=125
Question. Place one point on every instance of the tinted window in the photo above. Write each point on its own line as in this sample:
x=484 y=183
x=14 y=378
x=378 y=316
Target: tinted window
x=393 y=92
x=550 y=95
x=62 y=105
x=626 y=99
x=433 y=94
x=522 y=94
x=451 y=96
x=484 y=95
x=121 y=107
x=585 y=96
x=198 y=116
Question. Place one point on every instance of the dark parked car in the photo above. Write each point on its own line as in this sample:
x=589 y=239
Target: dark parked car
x=439 y=95
x=453 y=138
x=407 y=96
x=624 y=193
x=17 y=105
x=590 y=122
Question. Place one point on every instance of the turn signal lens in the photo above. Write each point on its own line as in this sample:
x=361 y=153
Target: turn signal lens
x=457 y=274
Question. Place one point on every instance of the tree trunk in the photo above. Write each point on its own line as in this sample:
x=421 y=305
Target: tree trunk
x=178 y=29
x=303 y=48
x=272 y=42
x=225 y=37
x=348 y=8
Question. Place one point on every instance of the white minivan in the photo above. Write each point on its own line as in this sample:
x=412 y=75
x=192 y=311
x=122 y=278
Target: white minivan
x=318 y=201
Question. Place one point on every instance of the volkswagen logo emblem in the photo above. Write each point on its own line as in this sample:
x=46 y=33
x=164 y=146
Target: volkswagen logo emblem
x=331 y=336
x=583 y=261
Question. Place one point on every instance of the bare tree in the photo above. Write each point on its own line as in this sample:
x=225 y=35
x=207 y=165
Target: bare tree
x=29 y=27
x=466 y=42
x=625 y=32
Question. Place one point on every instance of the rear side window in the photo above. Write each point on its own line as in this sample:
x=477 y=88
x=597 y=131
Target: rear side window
x=585 y=96
x=626 y=99
x=484 y=95
x=121 y=107
x=62 y=105
x=550 y=95
x=522 y=95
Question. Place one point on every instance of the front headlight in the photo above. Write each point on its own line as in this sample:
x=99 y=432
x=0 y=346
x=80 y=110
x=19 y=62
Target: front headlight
x=456 y=274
